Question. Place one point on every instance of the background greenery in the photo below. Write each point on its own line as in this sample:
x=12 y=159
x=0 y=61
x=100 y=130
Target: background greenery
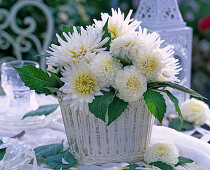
x=82 y=12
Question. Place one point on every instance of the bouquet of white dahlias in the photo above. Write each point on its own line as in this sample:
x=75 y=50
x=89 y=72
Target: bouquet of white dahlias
x=106 y=66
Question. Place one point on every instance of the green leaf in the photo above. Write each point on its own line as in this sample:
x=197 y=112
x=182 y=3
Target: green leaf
x=63 y=160
x=42 y=110
x=116 y=108
x=132 y=167
x=48 y=150
x=155 y=103
x=70 y=28
x=99 y=106
x=176 y=105
x=162 y=165
x=123 y=61
x=183 y=160
x=175 y=86
x=38 y=80
x=56 y=78
x=176 y=124
x=52 y=89
x=2 y=153
x=1 y=141
x=106 y=34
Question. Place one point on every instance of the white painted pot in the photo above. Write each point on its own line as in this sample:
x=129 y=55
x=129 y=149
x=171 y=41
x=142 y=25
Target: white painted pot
x=91 y=141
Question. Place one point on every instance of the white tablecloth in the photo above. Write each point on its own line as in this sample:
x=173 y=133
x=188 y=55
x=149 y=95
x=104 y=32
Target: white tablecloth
x=188 y=146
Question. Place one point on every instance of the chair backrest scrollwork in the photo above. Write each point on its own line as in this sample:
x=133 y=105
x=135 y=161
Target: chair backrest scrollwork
x=25 y=37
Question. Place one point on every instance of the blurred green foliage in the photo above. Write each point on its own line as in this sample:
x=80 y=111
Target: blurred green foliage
x=193 y=11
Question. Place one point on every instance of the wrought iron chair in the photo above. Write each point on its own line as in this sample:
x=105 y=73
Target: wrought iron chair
x=25 y=37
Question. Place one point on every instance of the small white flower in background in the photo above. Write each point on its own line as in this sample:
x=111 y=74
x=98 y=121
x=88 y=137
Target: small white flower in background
x=76 y=47
x=127 y=45
x=118 y=25
x=104 y=67
x=130 y=84
x=154 y=62
x=195 y=111
x=187 y=166
x=81 y=85
x=162 y=151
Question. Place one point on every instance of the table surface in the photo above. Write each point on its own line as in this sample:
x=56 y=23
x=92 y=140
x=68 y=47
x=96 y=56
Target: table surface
x=191 y=147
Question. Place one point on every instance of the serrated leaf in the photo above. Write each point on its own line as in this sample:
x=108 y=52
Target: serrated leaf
x=123 y=61
x=162 y=165
x=42 y=110
x=116 y=108
x=175 y=86
x=2 y=153
x=183 y=160
x=36 y=79
x=155 y=103
x=99 y=106
x=106 y=34
x=45 y=151
x=176 y=124
x=63 y=160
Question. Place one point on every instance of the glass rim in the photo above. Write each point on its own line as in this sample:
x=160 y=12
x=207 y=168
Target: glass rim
x=20 y=62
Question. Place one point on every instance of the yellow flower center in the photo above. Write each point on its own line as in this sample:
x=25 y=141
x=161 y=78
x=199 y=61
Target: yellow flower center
x=197 y=107
x=84 y=83
x=129 y=43
x=114 y=31
x=162 y=151
x=150 y=65
x=133 y=84
x=107 y=65
x=78 y=54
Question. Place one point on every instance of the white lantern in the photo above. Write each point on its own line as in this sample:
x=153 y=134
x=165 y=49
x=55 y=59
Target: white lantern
x=164 y=17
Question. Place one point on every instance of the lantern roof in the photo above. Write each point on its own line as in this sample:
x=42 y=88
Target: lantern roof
x=159 y=14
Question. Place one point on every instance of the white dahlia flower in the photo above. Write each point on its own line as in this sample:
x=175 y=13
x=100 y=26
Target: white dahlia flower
x=162 y=151
x=130 y=84
x=171 y=66
x=77 y=46
x=118 y=25
x=154 y=62
x=104 y=67
x=149 y=63
x=195 y=111
x=127 y=45
x=80 y=84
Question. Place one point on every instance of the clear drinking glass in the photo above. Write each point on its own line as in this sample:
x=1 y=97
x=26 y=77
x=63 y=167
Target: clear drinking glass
x=21 y=98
